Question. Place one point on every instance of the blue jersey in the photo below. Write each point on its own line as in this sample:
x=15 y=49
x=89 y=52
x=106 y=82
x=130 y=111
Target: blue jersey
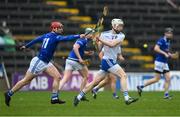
x=83 y=44
x=49 y=44
x=164 y=44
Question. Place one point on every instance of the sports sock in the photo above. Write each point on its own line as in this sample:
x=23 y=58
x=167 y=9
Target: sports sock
x=141 y=86
x=54 y=96
x=166 y=94
x=95 y=89
x=126 y=95
x=114 y=94
x=81 y=94
x=10 y=93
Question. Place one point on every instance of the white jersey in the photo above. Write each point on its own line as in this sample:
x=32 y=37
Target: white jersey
x=111 y=52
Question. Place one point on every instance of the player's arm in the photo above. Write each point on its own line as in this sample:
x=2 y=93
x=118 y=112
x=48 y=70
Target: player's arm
x=101 y=54
x=76 y=47
x=158 y=50
x=120 y=57
x=37 y=40
x=89 y=53
x=100 y=46
x=69 y=38
x=113 y=43
x=174 y=55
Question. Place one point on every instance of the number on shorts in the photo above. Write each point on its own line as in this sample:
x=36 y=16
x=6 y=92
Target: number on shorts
x=45 y=42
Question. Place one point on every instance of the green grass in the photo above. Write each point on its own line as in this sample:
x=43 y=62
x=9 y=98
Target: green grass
x=38 y=104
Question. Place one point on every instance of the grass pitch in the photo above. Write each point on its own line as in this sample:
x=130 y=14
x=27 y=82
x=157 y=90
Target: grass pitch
x=38 y=104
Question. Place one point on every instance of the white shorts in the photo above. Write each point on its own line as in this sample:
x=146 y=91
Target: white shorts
x=37 y=66
x=160 y=66
x=114 y=70
x=73 y=65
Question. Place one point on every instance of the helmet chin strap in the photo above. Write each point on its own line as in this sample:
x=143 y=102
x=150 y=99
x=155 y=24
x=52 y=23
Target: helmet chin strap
x=168 y=39
x=116 y=31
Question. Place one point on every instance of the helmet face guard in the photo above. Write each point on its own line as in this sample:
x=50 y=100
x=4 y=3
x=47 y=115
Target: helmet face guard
x=116 y=24
x=87 y=30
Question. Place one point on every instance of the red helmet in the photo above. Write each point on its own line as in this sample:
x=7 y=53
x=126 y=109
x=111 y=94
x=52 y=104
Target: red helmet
x=55 y=24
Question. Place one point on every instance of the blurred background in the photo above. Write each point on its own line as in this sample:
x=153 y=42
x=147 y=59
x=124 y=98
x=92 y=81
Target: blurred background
x=145 y=21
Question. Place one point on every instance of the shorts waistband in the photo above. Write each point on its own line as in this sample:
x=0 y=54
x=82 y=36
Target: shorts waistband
x=73 y=59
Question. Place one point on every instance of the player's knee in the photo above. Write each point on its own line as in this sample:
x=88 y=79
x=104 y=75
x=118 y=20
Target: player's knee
x=85 y=76
x=124 y=76
x=168 y=79
x=95 y=82
x=57 y=77
x=106 y=81
x=85 y=79
x=26 y=81
x=157 y=79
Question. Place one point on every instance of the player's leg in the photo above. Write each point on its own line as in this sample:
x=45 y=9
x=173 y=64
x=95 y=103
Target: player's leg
x=153 y=80
x=30 y=74
x=167 y=76
x=118 y=71
x=26 y=80
x=167 y=84
x=67 y=73
x=113 y=85
x=53 y=72
x=84 y=73
x=66 y=77
x=100 y=85
x=158 y=67
x=109 y=79
x=99 y=77
x=149 y=82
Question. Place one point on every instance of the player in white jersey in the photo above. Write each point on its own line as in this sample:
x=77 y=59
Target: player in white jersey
x=111 y=41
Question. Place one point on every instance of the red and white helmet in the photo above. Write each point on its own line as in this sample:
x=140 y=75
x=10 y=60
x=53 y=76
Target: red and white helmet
x=55 y=24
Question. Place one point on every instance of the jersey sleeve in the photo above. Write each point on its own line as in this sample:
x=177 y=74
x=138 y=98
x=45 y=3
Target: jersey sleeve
x=102 y=36
x=121 y=37
x=38 y=39
x=159 y=42
x=79 y=42
x=67 y=38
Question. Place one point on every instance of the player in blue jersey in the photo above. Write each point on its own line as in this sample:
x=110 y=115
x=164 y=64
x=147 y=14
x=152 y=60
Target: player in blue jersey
x=161 y=62
x=75 y=61
x=42 y=62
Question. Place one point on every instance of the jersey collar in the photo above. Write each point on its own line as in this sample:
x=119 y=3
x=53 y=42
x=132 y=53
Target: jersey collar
x=54 y=33
x=165 y=38
x=115 y=33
